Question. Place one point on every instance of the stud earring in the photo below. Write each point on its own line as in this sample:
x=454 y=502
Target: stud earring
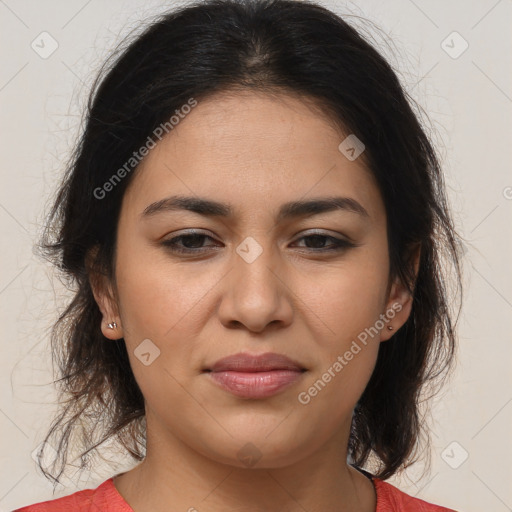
x=112 y=325
x=390 y=327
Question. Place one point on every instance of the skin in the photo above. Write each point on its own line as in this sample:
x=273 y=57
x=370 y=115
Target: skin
x=254 y=152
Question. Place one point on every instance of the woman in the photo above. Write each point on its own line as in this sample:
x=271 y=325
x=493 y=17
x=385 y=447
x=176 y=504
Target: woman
x=254 y=219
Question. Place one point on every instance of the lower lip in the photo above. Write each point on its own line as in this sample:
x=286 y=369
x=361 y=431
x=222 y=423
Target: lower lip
x=255 y=384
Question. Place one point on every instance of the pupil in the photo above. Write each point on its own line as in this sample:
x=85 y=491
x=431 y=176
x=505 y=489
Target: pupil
x=317 y=238
x=188 y=241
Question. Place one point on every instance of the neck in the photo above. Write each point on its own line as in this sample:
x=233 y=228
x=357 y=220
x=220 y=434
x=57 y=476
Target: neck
x=174 y=476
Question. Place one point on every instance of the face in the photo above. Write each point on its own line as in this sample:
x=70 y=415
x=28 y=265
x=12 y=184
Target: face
x=196 y=284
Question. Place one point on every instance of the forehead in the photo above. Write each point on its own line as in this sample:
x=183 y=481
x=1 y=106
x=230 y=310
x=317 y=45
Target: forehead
x=254 y=149
x=285 y=126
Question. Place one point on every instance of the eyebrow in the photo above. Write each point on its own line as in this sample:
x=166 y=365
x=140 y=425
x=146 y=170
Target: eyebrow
x=289 y=210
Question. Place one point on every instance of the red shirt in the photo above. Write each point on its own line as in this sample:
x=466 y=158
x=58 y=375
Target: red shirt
x=106 y=498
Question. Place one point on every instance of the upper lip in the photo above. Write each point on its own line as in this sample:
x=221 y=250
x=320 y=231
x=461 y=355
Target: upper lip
x=244 y=362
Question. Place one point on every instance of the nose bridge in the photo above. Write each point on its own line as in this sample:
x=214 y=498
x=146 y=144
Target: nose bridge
x=255 y=296
x=253 y=266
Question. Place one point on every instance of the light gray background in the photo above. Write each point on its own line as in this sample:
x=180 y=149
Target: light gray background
x=469 y=100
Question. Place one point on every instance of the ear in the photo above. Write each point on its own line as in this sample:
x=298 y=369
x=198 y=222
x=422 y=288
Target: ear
x=399 y=303
x=104 y=295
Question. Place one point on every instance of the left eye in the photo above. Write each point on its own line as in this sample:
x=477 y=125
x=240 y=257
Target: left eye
x=337 y=243
x=193 y=243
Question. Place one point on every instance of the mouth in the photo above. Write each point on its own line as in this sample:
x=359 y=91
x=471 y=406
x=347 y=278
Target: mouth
x=244 y=362
x=255 y=376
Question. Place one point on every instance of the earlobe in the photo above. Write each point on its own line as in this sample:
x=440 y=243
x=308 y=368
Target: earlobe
x=104 y=297
x=111 y=331
x=399 y=306
x=110 y=323
x=397 y=311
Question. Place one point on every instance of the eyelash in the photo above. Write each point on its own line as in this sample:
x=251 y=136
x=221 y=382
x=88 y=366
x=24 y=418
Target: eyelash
x=338 y=244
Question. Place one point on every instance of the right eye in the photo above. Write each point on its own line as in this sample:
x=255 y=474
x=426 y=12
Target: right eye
x=189 y=243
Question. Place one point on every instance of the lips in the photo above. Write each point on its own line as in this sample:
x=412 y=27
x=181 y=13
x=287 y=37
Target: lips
x=255 y=363
x=255 y=376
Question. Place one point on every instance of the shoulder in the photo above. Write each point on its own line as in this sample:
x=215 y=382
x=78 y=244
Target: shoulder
x=391 y=499
x=104 y=498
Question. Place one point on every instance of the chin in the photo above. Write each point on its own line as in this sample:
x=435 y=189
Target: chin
x=259 y=450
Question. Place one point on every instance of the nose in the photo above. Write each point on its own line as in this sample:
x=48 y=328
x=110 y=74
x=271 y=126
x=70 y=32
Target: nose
x=257 y=292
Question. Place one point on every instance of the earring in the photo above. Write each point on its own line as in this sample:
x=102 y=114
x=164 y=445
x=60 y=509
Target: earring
x=390 y=327
x=112 y=325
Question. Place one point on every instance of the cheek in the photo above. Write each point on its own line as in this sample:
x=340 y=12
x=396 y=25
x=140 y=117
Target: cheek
x=161 y=302
x=159 y=297
x=347 y=298
x=346 y=356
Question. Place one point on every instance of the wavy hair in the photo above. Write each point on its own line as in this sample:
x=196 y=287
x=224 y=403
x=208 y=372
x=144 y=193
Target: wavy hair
x=284 y=46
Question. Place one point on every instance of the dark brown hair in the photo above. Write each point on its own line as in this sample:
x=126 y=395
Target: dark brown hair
x=296 y=47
